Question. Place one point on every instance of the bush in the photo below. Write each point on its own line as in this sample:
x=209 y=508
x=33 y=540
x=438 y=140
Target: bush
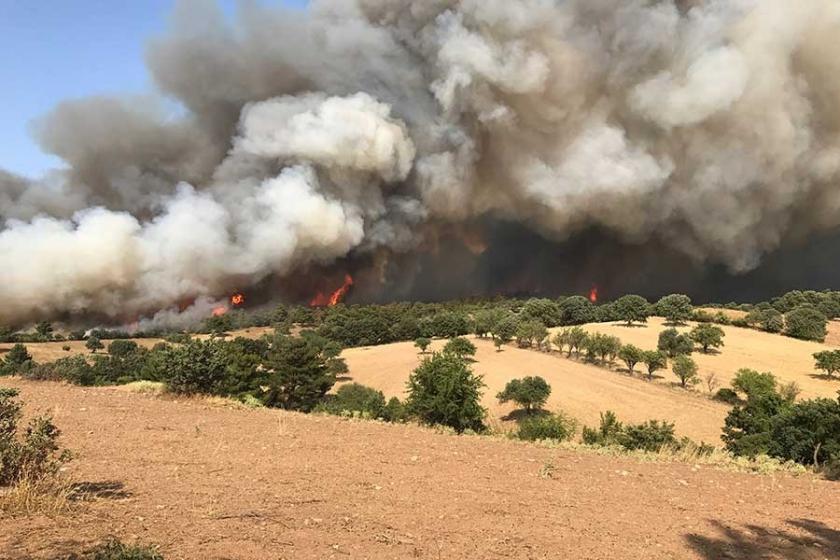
x=197 y=367
x=93 y=344
x=546 y=426
x=530 y=332
x=530 y=393
x=754 y=384
x=727 y=395
x=122 y=348
x=443 y=390
x=422 y=344
x=806 y=323
x=652 y=435
x=73 y=369
x=34 y=454
x=17 y=361
x=355 y=398
x=394 y=411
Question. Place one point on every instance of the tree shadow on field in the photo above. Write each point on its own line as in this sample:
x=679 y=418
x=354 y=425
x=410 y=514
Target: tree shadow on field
x=806 y=539
x=824 y=377
x=107 y=490
x=632 y=326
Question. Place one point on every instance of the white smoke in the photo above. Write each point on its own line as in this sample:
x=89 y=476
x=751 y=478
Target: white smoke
x=360 y=126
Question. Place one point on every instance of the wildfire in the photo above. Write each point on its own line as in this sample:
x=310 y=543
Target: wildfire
x=221 y=310
x=322 y=300
x=593 y=294
x=237 y=299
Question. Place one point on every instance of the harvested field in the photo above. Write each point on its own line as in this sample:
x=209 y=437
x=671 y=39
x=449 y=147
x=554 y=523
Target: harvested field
x=220 y=483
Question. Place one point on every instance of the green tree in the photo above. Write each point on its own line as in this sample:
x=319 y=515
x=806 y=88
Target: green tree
x=423 y=344
x=93 y=344
x=198 y=367
x=576 y=310
x=443 y=390
x=299 y=374
x=561 y=340
x=676 y=308
x=675 y=344
x=828 y=361
x=357 y=398
x=529 y=332
x=654 y=360
x=505 y=330
x=485 y=320
x=530 y=393
x=707 y=336
x=685 y=368
x=18 y=355
x=44 y=329
x=631 y=355
x=632 y=309
x=545 y=311
x=806 y=323
x=460 y=347
x=577 y=339
x=754 y=384
x=122 y=348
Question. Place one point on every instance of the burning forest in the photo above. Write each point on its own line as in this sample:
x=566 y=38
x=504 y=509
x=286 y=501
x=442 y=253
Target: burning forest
x=428 y=149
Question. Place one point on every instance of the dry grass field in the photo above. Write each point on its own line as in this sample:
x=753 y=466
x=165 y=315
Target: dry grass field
x=214 y=483
x=787 y=358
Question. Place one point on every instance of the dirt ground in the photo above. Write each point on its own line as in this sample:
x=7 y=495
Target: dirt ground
x=787 y=358
x=579 y=389
x=207 y=482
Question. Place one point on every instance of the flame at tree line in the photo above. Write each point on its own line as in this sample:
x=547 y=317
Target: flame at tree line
x=322 y=300
x=236 y=300
x=593 y=294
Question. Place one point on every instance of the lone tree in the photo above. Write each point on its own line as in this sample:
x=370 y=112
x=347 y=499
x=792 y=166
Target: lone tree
x=300 y=374
x=530 y=332
x=504 y=331
x=443 y=390
x=676 y=308
x=577 y=339
x=93 y=344
x=460 y=347
x=685 y=368
x=674 y=344
x=632 y=309
x=807 y=323
x=529 y=392
x=654 y=360
x=828 y=361
x=18 y=355
x=423 y=344
x=631 y=355
x=707 y=335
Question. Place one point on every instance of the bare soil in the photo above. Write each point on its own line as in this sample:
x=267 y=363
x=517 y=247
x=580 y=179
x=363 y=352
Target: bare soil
x=208 y=482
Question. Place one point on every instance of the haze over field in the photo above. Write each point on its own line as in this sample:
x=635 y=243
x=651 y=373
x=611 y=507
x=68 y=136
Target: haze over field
x=414 y=143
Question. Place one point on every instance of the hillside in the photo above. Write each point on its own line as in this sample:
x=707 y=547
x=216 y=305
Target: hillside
x=581 y=390
x=787 y=358
x=210 y=482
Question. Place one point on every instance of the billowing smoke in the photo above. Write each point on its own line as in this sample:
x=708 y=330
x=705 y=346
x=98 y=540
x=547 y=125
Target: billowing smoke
x=365 y=131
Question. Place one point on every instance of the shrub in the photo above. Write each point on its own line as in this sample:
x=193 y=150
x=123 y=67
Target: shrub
x=686 y=370
x=394 y=411
x=195 y=368
x=34 y=454
x=529 y=392
x=602 y=347
x=93 y=344
x=355 y=398
x=530 y=332
x=460 y=347
x=546 y=426
x=753 y=383
x=806 y=323
x=727 y=395
x=122 y=348
x=674 y=344
x=443 y=390
x=652 y=435
x=113 y=549
x=17 y=361
x=73 y=369
x=707 y=336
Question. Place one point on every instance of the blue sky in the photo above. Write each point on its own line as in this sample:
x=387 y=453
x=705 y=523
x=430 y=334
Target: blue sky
x=51 y=50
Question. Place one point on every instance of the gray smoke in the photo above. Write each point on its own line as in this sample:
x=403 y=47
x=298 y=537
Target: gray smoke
x=361 y=128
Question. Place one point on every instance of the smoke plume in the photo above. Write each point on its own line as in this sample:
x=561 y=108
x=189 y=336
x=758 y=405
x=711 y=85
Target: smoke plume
x=369 y=132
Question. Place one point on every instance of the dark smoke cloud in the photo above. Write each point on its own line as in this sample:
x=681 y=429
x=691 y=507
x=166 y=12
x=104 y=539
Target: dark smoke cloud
x=446 y=147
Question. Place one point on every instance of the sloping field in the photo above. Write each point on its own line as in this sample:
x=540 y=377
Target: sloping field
x=582 y=390
x=219 y=483
x=787 y=358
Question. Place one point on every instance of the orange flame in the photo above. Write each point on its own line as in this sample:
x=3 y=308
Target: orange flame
x=593 y=294
x=321 y=300
x=219 y=311
x=237 y=299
